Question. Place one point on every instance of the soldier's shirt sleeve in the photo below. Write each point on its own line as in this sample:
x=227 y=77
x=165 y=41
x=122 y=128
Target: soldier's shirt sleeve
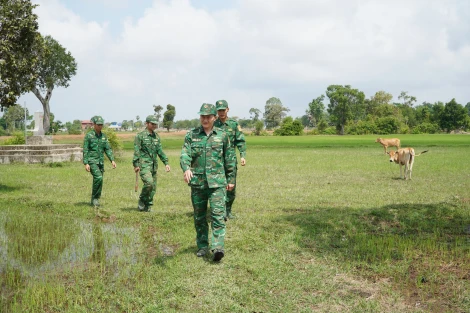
x=108 y=150
x=185 y=157
x=160 y=152
x=137 y=145
x=85 y=150
x=240 y=141
x=229 y=161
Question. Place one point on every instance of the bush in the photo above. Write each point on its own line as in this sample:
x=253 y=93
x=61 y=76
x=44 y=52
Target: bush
x=329 y=131
x=290 y=128
x=387 y=125
x=426 y=128
x=16 y=139
x=114 y=141
x=361 y=128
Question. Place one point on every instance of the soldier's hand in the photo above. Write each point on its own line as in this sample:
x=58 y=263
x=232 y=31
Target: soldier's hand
x=136 y=169
x=87 y=167
x=167 y=168
x=114 y=164
x=230 y=187
x=187 y=176
x=242 y=161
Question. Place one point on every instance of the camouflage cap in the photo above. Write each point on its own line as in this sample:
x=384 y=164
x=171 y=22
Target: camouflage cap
x=207 y=109
x=151 y=119
x=221 y=105
x=97 y=120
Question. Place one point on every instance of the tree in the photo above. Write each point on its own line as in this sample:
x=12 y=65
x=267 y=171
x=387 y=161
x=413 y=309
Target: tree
x=255 y=114
x=274 y=112
x=169 y=116
x=55 y=69
x=14 y=117
x=343 y=100
x=407 y=100
x=316 y=109
x=380 y=98
x=158 y=109
x=467 y=107
x=453 y=117
x=20 y=45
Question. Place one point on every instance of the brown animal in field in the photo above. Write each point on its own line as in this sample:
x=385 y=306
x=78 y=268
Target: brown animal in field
x=391 y=142
x=406 y=157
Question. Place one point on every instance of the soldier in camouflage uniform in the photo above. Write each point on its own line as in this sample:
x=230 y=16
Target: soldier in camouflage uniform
x=147 y=146
x=208 y=165
x=237 y=139
x=94 y=144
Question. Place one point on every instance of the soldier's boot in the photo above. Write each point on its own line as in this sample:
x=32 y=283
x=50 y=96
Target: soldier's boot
x=201 y=252
x=228 y=214
x=218 y=254
x=141 y=206
x=95 y=202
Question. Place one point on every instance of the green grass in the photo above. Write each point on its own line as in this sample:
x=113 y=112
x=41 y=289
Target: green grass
x=324 y=225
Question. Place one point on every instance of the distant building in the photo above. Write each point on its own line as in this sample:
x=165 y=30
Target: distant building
x=86 y=124
x=115 y=126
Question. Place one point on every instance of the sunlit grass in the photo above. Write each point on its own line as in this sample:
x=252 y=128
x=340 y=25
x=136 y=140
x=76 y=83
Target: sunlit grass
x=324 y=225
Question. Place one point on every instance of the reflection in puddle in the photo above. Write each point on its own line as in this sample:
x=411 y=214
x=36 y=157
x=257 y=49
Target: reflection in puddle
x=37 y=244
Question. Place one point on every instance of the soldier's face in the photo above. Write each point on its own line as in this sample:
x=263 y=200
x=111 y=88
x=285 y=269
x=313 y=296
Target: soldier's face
x=98 y=127
x=207 y=121
x=222 y=114
x=151 y=126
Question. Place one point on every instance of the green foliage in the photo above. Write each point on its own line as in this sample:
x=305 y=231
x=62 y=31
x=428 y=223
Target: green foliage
x=274 y=112
x=158 y=111
x=453 y=117
x=361 y=128
x=345 y=104
x=169 y=116
x=426 y=128
x=255 y=113
x=74 y=128
x=114 y=141
x=16 y=139
x=316 y=109
x=19 y=49
x=289 y=127
x=14 y=117
x=387 y=125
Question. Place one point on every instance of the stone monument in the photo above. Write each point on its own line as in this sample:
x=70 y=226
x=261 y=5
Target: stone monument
x=38 y=137
x=39 y=148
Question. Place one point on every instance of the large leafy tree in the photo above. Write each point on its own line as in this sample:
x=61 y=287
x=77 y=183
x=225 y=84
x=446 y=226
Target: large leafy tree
x=20 y=47
x=15 y=117
x=407 y=99
x=274 y=112
x=255 y=113
x=345 y=104
x=316 y=109
x=453 y=117
x=169 y=116
x=380 y=98
x=55 y=69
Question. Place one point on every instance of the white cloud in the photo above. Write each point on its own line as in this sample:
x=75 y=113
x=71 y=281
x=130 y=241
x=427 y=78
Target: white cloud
x=175 y=53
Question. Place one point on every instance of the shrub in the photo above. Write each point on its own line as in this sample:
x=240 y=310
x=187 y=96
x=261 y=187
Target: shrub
x=114 y=141
x=426 y=128
x=387 y=125
x=16 y=139
x=361 y=128
x=290 y=128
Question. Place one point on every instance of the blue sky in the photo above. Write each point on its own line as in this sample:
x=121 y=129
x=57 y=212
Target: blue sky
x=133 y=54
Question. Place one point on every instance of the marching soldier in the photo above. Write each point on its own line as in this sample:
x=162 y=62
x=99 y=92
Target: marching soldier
x=208 y=165
x=94 y=144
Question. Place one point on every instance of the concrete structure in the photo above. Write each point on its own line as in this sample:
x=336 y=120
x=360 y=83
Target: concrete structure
x=86 y=124
x=40 y=149
x=40 y=153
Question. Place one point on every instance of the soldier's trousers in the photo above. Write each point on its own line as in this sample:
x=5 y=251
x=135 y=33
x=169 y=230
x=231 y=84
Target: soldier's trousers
x=97 y=171
x=149 y=178
x=216 y=199
x=230 y=198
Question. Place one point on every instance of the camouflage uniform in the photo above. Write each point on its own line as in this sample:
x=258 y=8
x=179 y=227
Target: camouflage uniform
x=212 y=163
x=93 y=147
x=237 y=139
x=147 y=146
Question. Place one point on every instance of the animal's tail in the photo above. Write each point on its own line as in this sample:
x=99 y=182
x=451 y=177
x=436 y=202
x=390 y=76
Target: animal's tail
x=421 y=153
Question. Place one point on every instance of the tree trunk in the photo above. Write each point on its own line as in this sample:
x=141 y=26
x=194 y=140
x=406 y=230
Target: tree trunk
x=45 y=105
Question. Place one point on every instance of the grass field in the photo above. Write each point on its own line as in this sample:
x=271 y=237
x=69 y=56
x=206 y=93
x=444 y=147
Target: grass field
x=323 y=224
